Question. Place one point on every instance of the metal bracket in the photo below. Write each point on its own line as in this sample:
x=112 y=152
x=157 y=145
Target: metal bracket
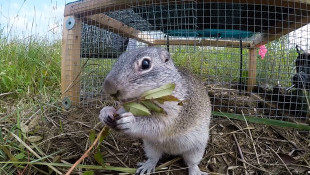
x=66 y=102
x=70 y=23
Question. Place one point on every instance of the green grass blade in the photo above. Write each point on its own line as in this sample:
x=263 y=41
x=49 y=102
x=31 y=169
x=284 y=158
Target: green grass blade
x=264 y=121
x=94 y=167
x=47 y=156
x=1 y=136
x=18 y=120
x=89 y=173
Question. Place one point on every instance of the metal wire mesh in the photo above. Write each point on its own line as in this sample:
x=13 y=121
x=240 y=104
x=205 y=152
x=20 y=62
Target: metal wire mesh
x=221 y=41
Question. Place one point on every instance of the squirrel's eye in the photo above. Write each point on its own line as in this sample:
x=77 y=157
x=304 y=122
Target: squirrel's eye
x=145 y=64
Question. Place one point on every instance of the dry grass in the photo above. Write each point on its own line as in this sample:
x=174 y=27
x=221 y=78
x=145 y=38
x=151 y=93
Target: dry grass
x=231 y=149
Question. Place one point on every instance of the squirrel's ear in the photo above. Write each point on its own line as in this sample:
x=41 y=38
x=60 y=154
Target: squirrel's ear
x=164 y=55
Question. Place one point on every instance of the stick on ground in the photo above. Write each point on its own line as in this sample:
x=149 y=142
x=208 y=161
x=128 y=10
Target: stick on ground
x=104 y=130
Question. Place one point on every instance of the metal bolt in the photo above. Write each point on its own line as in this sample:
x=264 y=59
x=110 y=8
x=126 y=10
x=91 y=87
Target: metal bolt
x=70 y=23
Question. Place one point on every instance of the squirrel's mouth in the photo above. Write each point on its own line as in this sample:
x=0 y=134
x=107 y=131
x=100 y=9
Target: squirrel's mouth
x=122 y=97
x=127 y=100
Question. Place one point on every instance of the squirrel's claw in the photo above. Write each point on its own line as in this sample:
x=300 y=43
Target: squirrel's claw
x=107 y=116
x=126 y=121
x=147 y=167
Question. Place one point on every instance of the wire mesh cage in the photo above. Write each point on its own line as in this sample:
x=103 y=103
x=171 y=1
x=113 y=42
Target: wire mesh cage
x=252 y=55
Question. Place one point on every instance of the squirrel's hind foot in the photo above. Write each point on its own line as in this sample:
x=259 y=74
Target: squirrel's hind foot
x=195 y=171
x=146 y=167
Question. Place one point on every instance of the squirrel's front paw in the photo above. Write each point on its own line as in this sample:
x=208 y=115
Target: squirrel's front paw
x=126 y=122
x=107 y=116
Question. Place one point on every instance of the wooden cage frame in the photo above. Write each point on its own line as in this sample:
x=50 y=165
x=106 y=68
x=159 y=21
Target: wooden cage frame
x=91 y=12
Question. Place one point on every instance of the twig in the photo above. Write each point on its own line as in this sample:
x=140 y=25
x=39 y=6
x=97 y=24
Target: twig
x=108 y=144
x=232 y=155
x=240 y=153
x=117 y=158
x=212 y=127
x=292 y=143
x=272 y=139
x=223 y=89
x=246 y=122
x=225 y=160
x=270 y=104
x=115 y=143
x=221 y=154
x=235 y=124
x=7 y=93
x=79 y=146
x=279 y=158
x=168 y=163
x=239 y=131
x=87 y=152
x=33 y=115
x=60 y=135
x=39 y=170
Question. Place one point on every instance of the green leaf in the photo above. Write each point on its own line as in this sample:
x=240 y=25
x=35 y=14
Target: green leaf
x=99 y=158
x=162 y=91
x=152 y=106
x=137 y=109
x=264 y=121
x=24 y=128
x=92 y=136
x=89 y=173
x=20 y=156
x=34 y=138
x=104 y=134
x=161 y=100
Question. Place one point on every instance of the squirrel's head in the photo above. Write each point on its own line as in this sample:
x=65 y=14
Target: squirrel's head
x=140 y=70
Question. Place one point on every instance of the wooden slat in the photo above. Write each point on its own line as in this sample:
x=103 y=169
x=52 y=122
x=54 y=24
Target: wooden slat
x=91 y=7
x=110 y=24
x=70 y=62
x=252 y=69
x=204 y=42
x=291 y=23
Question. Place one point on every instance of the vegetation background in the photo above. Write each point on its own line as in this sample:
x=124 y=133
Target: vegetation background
x=30 y=77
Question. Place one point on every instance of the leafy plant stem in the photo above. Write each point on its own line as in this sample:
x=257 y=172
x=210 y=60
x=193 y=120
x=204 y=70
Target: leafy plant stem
x=104 y=130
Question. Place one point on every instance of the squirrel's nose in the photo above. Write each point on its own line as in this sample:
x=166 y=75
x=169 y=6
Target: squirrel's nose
x=110 y=87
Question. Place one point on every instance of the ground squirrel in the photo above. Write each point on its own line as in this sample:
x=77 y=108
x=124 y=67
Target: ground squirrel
x=183 y=130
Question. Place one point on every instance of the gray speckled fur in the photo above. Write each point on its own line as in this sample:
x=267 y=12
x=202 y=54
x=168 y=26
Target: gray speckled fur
x=184 y=130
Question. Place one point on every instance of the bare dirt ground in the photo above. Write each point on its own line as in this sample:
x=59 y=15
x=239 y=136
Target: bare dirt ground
x=235 y=147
